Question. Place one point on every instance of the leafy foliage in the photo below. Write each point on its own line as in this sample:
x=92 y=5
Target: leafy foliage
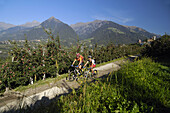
x=34 y=62
x=158 y=48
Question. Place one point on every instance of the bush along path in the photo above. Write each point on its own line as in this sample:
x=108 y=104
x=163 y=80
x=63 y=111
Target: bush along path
x=17 y=100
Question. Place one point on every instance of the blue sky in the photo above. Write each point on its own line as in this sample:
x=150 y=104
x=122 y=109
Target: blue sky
x=151 y=15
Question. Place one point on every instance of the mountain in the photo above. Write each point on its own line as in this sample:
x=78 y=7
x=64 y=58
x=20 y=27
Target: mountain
x=104 y=32
x=31 y=24
x=98 y=31
x=16 y=32
x=141 y=31
x=4 y=26
x=85 y=29
x=66 y=33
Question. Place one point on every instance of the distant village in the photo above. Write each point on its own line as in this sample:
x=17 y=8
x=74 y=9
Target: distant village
x=148 y=41
x=20 y=41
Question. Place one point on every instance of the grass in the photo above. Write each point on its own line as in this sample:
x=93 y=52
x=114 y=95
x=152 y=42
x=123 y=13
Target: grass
x=141 y=86
x=116 y=30
x=148 y=82
x=41 y=83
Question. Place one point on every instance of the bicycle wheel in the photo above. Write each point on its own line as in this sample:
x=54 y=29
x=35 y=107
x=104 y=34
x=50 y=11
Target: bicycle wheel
x=87 y=74
x=72 y=75
x=95 y=73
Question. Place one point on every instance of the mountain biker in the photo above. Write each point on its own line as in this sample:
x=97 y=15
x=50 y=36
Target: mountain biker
x=92 y=63
x=79 y=58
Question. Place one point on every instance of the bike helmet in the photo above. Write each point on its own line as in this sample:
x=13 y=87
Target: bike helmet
x=78 y=54
x=89 y=56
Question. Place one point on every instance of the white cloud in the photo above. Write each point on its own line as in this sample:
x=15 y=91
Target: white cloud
x=119 y=16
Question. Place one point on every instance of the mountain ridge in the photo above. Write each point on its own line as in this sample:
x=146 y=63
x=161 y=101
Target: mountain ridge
x=31 y=24
x=85 y=29
x=98 y=31
x=110 y=31
x=4 y=26
x=57 y=27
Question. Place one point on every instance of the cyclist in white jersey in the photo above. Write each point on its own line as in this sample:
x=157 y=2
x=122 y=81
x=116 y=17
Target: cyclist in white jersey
x=92 y=63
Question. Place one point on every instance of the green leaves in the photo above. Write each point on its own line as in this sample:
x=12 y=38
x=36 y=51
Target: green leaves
x=30 y=61
x=158 y=48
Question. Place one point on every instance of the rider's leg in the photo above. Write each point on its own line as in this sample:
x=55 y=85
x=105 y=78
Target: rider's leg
x=92 y=69
x=80 y=67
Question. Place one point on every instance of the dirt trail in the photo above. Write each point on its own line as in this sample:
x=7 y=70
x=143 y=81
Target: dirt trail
x=14 y=100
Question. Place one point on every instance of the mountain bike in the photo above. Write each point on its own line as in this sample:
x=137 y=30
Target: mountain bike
x=86 y=74
x=74 y=72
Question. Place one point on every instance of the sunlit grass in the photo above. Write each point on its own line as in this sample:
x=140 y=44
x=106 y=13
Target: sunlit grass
x=40 y=83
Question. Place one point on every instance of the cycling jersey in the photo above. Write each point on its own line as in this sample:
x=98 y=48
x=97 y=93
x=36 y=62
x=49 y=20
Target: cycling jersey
x=80 y=58
x=92 y=62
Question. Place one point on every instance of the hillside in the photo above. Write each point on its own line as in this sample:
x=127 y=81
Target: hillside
x=85 y=29
x=4 y=26
x=13 y=33
x=66 y=33
x=141 y=31
x=17 y=32
x=103 y=32
x=98 y=31
x=31 y=24
x=112 y=32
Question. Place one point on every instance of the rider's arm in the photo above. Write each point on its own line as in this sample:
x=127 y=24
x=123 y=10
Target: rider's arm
x=74 y=61
x=86 y=63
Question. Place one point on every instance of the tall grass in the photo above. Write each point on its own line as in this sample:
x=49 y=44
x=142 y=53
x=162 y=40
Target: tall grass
x=141 y=86
x=147 y=82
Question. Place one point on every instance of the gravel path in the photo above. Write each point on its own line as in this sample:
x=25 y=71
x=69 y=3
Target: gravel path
x=15 y=100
